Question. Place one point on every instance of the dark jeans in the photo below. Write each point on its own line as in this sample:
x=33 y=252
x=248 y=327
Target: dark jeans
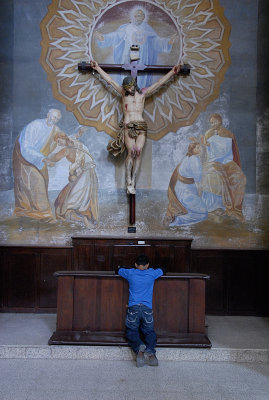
x=139 y=321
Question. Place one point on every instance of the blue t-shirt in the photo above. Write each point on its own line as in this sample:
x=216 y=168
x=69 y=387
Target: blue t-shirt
x=141 y=284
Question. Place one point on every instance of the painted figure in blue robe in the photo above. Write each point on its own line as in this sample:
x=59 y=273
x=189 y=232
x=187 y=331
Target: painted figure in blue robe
x=186 y=206
x=33 y=145
x=137 y=32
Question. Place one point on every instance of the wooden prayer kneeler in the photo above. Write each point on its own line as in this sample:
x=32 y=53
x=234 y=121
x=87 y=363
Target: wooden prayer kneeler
x=91 y=309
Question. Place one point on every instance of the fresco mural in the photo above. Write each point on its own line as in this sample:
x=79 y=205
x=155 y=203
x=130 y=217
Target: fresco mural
x=34 y=144
x=39 y=146
x=78 y=200
x=216 y=185
x=137 y=32
x=192 y=182
x=186 y=206
x=168 y=32
x=223 y=180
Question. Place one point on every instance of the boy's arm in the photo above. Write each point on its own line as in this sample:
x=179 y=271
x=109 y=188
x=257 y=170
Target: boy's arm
x=164 y=269
x=106 y=77
x=162 y=81
x=160 y=271
x=122 y=270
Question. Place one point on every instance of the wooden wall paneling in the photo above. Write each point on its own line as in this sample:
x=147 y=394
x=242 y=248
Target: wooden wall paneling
x=125 y=254
x=238 y=282
x=212 y=263
x=182 y=258
x=245 y=281
x=83 y=255
x=102 y=257
x=163 y=256
x=107 y=253
x=51 y=260
x=28 y=282
x=20 y=275
x=172 y=255
x=264 y=289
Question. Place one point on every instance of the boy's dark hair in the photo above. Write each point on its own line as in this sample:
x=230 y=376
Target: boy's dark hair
x=142 y=260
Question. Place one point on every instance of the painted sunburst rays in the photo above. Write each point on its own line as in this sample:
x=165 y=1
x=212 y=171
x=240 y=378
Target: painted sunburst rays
x=201 y=38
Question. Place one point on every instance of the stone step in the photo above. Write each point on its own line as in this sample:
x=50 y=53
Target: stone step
x=124 y=353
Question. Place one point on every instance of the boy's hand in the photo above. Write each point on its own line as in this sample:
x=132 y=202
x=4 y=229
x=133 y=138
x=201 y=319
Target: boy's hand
x=164 y=270
x=117 y=270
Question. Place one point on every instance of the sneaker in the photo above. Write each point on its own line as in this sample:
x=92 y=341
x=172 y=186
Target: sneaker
x=140 y=359
x=153 y=360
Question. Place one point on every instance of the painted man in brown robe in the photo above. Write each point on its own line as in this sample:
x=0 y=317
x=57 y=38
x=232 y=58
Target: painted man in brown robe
x=33 y=145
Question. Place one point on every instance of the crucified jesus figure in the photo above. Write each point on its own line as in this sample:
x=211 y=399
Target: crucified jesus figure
x=133 y=129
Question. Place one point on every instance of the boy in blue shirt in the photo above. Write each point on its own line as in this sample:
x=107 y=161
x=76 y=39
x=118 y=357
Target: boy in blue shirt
x=139 y=314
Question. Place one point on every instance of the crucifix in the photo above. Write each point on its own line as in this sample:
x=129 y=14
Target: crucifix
x=134 y=67
x=133 y=128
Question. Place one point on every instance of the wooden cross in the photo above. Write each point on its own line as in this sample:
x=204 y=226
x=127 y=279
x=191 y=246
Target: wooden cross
x=134 y=67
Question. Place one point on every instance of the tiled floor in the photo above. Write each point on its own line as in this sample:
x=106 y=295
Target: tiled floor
x=32 y=370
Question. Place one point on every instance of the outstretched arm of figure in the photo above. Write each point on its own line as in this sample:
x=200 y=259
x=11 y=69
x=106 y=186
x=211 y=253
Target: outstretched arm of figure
x=106 y=77
x=57 y=156
x=81 y=131
x=162 y=81
x=204 y=138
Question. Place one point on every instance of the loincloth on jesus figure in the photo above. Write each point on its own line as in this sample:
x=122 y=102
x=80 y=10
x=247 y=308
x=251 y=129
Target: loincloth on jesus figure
x=134 y=129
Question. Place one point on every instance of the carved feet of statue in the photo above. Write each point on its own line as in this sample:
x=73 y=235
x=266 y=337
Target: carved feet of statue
x=130 y=185
x=131 y=189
